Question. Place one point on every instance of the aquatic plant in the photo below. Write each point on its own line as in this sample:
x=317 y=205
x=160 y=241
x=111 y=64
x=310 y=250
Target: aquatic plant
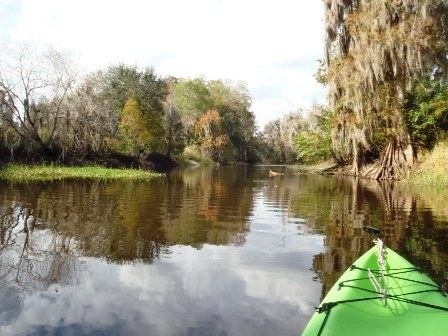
x=18 y=173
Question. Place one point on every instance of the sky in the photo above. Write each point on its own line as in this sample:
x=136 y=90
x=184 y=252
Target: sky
x=272 y=46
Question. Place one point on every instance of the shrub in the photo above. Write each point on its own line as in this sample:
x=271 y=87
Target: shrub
x=426 y=112
x=313 y=147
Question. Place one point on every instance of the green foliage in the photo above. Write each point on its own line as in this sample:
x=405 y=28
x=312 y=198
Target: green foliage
x=426 y=112
x=115 y=145
x=262 y=150
x=122 y=82
x=174 y=128
x=192 y=98
x=313 y=146
x=127 y=110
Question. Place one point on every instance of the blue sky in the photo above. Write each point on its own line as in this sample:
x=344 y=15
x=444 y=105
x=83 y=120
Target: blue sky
x=273 y=46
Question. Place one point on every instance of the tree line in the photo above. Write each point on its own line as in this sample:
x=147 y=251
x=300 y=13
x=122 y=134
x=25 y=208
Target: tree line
x=47 y=108
x=385 y=66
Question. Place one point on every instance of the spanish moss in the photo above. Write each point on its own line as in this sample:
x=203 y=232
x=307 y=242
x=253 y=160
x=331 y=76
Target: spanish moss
x=375 y=51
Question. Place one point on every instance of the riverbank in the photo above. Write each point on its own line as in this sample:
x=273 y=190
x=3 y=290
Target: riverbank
x=24 y=173
x=430 y=170
x=108 y=166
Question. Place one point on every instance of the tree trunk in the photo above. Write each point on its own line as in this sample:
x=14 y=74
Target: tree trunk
x=395 y=162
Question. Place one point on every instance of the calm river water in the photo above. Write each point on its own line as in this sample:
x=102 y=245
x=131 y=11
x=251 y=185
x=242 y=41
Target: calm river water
x=202 y=251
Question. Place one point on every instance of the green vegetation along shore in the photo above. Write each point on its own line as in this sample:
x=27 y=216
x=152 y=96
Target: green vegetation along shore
x=24 y=173
x=387 y=103
x=432 y=168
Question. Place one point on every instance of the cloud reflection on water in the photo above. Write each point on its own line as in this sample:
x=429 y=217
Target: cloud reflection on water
x=213 y=291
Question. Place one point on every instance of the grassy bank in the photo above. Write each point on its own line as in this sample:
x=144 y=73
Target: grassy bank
x=23 y=173
x=432 y=169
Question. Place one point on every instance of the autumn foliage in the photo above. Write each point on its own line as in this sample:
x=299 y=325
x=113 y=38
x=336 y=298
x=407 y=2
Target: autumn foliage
x=210 y=135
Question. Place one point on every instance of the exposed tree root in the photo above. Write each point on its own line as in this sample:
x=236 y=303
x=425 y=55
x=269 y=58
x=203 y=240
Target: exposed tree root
x=394 y=164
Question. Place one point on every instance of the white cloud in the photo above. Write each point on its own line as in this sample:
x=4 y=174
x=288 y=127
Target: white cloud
x=259 y=42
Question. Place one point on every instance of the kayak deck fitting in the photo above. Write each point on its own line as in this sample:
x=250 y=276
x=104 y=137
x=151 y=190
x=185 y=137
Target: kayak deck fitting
x=382 y=294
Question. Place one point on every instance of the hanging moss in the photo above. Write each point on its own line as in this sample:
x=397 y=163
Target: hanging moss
x=376 y=50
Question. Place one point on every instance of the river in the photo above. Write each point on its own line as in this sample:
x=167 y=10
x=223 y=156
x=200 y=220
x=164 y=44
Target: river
x=201 y=251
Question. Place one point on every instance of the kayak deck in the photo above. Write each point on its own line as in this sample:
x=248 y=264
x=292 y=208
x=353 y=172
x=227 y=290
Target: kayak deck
x=414 y=304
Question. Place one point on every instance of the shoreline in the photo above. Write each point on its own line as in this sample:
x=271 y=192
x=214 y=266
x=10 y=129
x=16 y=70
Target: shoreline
x=430 y=170
x=101 y=167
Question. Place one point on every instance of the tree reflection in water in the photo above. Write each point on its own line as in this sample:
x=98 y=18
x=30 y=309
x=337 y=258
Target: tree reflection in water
x=339 y=207
x=46 y=229
x=251 y=238
x=34 y=258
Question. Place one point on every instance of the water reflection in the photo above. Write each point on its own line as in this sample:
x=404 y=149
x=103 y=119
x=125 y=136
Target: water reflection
x=228 y=251
x=128 y=221
x=339 y=207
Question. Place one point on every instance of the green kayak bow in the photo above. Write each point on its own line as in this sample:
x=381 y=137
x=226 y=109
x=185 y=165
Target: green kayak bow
x=382 y=294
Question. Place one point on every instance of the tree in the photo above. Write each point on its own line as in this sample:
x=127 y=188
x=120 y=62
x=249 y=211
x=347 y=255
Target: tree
x=280 y=136
x=291 y=124
x=9 y=138
x=233 y=102
x=313 y=140
x=174 y=135
x=210 y=135
x=123 y=82
x=271 y=137
x=195 y=97
x=90 y=121
x=134 y=127
x=35 y=84
x=192 y=99
x=375 y=52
